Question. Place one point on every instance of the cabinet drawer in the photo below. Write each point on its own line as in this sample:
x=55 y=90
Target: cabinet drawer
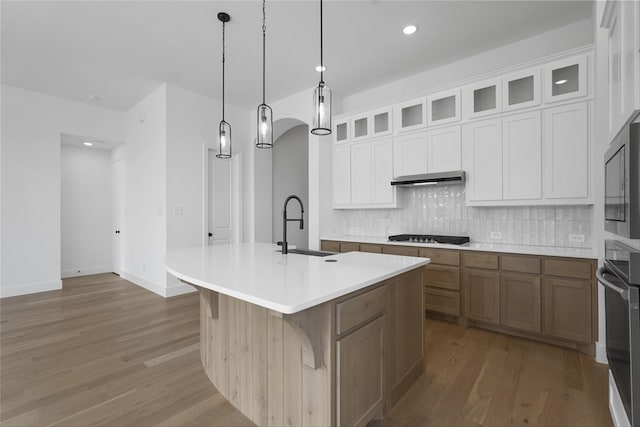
x=330 y=246
x=576 y=269
x=442 y=301
x=521 y=264
x=441 y=256
x=480 y=260
x=349 y=247
x=400 y=250
x=439 y=276
x=367 y=247
x=361 y=308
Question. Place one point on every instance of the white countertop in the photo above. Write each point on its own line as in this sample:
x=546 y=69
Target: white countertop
x=259 y=274
x=489 y=247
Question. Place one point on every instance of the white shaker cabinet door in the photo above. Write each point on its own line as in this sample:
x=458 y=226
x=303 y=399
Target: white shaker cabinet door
x=382 y=158
x=410 y=154
x=361 y=173
x=566 y=152
x=444 y=150
x=522 y=156
x=482 y=160
x=341 y=176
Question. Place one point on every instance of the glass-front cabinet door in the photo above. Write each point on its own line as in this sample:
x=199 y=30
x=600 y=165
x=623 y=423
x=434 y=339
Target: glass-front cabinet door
x=482 y=98
x=565 y=79
x=521 y=89
x=444 y=107
x=410 y=115
x=341 y=130
x=381 y=122
x=360 y=127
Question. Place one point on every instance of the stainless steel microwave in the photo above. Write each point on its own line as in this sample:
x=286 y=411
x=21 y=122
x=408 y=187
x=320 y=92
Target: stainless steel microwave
x=622 y=182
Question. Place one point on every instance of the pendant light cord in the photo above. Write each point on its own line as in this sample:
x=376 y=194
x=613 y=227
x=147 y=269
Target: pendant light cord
x=321 y=60
x=223 y=24
x=264 y=31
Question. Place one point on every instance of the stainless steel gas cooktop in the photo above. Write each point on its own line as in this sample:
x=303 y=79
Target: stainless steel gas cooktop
x=429 y=238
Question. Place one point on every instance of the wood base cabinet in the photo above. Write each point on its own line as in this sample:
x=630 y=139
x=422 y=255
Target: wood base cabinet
x=482 y=295
x=360 y=374
x=568 y=308
x=520 y=302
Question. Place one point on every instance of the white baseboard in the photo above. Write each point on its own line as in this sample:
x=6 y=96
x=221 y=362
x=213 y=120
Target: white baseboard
x=601 y=353
x=179 y=289
x=85 y=271
x=29 y=288
x=618 y=414
x=161 y=290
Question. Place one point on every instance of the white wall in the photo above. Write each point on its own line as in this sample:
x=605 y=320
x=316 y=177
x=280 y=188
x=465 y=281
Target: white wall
x=290 y=175
x=30 y=196
x=192 y=124
x=85 y=210
x=531 y=49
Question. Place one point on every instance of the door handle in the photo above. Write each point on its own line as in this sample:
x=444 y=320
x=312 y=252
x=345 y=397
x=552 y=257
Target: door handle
x=117 y=231
x=210 y=234
x=600 y=275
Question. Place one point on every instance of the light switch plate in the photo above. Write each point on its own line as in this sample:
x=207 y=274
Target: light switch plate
x=576 y=238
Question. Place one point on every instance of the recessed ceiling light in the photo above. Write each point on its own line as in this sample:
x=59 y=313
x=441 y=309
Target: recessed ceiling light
x=88 y=143
x=561 y=82
x=92 y=97
x=320 y=68
x=409 y=29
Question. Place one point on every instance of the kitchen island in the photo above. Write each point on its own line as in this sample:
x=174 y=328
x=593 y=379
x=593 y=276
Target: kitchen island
x=305 y=340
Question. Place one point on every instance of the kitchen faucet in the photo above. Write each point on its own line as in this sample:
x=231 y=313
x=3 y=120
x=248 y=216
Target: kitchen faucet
x=285 y=245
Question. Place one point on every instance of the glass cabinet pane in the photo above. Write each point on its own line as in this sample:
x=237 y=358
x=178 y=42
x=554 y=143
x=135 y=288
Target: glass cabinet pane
x=521 y=90
x=360 y=128
x=342 y=132
x=443 y=108
x=484 y=99
x=565 y=80
x=411 y=115
x=381 y=122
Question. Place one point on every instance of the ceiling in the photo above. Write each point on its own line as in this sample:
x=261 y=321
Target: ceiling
x=120 y=51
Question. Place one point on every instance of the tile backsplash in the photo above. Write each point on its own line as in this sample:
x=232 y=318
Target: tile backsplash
x=442 y=210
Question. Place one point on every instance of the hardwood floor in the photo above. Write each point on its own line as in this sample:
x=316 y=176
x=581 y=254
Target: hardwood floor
x=105 y=352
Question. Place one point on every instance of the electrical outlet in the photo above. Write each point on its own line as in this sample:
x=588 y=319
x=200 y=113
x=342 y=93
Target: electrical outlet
x=178 y=211
x=353 y=230
x=495 y=235
x=576 y=238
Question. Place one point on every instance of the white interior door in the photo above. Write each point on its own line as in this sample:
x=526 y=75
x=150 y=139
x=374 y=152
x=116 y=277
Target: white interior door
x=220 y=204
x=116 y=195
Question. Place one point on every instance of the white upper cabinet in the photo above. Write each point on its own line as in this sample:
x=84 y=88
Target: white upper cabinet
x=482 y=98
x=565 y=79
x=522 y=157
x=381 y=122
x=383 y=192
x=360 y=127
x=410 y=154
x=622 y=21
x=443 y=107
x=521 y=89
x=566 y=152
x=371 y=174
x=361 y=173
x=341 y=176
x=410 y=115
x=444 y=151
x=482 y=160
x=341 y=132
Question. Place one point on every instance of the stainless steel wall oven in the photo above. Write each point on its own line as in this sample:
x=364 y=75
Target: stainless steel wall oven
x=620 y=277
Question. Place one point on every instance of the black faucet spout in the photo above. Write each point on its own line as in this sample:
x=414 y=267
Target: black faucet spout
x=285 y=245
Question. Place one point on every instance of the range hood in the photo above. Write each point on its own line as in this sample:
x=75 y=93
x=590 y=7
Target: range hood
x=438 y=178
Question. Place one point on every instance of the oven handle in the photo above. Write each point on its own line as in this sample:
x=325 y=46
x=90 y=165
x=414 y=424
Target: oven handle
x=600 y=275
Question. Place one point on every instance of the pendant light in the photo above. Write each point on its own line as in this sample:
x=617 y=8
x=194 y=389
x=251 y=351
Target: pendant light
x=321 y=98
x=224 y=129
x=265 y=114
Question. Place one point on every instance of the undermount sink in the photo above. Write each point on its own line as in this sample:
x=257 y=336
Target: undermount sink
x=309 y=252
